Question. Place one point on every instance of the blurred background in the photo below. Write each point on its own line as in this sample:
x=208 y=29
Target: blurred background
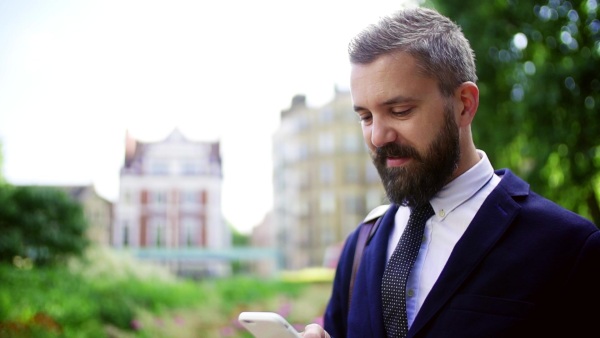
x=167 y=165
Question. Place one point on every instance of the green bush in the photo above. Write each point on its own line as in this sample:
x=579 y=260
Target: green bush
x=110 y=294
x=239 y=291
x=50 y=300
x=41 y=224
x=82 y=305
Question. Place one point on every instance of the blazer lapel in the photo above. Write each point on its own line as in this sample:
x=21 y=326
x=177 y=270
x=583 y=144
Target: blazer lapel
x=375 y=260
x=479 y=238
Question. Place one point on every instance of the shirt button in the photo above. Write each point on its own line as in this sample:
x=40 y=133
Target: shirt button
x=442 y=213
x=410 y=293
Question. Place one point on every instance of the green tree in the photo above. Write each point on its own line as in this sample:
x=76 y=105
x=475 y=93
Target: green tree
x=539 y=78
x=41 y=224
x=1 y=164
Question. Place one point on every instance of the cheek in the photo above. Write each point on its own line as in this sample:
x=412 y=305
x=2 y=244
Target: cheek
x=420 y=137
x=366 y=132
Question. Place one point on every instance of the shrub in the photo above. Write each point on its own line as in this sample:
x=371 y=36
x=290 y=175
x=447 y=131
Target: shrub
x=42 y=224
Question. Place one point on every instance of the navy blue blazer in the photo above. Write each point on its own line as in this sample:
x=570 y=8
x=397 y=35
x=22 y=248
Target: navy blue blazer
x=525 y=267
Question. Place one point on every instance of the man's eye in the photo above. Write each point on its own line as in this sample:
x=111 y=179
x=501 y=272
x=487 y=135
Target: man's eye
x=401 y=112
x=364 y=118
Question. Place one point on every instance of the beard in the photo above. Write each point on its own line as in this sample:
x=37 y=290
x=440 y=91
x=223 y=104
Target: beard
x=420 y=179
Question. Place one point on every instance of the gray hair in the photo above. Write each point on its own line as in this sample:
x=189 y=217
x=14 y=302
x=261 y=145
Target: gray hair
x=438 y=44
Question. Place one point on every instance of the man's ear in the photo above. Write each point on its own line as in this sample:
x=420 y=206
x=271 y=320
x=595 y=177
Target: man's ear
x=468 y=94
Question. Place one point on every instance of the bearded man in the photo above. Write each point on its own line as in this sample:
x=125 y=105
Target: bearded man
x=463 y=250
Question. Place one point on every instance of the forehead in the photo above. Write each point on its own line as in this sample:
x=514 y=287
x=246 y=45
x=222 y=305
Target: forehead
x=390 y=75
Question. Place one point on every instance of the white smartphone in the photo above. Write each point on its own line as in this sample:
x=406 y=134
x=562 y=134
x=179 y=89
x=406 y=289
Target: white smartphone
x=267 y=325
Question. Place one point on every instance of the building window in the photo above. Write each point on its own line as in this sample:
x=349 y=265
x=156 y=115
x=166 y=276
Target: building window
x=327 y=202
x=303 y=209
x=127 y=197
x=352 y=173
x=125 y=234
x=327 y=236
x=371 y=173
x=159 y=234
x=352 y=143
x=190 y=168
x=291 y=152
x=159 y=168
x=159 y=237
x=299 y=123
x=354 y=204
x=159 y=197
x=190 y=232
x=190 y=197
x=304 y=179
x=326 y=173
x=326 y=115
x=303 y=152
x=326 y=143
x=374 y=198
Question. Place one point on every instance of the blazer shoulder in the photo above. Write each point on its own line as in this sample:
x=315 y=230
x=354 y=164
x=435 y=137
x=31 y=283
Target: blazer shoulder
x=377 y=212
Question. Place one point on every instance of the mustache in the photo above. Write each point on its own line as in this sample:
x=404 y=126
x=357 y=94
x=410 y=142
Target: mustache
x=395 y=150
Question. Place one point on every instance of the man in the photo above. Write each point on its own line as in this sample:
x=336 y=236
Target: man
x=495 y=259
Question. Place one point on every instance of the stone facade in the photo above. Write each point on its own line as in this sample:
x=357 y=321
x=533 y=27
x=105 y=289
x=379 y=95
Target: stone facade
x=324 y=180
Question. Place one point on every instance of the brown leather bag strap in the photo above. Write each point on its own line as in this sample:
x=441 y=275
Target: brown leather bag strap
x=367 y=229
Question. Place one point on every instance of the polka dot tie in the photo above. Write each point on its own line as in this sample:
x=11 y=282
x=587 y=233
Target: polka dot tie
x=393 y=284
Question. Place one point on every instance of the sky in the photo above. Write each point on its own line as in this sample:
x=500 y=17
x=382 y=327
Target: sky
x=76 y=75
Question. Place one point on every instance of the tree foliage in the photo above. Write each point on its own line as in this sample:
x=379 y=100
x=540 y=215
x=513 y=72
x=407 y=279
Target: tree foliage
x=1 y=164
x=40 y=224
x=539 y=78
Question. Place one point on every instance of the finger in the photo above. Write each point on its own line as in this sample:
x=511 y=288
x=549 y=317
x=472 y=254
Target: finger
x=314 y=331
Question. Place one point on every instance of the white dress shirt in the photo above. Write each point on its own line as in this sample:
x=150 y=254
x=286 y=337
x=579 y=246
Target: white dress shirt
x=455 y=207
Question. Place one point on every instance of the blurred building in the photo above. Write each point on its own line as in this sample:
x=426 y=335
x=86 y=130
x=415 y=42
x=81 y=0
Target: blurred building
x=264 y=235
x=324 y=180
x=170 y=199
x=97 y=211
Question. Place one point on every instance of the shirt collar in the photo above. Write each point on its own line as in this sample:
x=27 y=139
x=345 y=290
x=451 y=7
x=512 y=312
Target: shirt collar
x=463 y=187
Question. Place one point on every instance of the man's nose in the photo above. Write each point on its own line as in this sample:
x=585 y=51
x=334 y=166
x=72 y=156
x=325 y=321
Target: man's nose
x=382 y=133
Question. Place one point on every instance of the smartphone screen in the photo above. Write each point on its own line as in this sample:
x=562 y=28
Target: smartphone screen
x=267 y=325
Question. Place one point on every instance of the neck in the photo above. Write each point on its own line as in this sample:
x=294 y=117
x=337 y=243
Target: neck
x=468 y=158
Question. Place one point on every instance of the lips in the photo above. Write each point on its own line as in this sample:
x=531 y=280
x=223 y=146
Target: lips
x=396 y=161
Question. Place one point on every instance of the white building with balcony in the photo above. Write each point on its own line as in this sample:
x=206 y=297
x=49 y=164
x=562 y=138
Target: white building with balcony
x=170 y=201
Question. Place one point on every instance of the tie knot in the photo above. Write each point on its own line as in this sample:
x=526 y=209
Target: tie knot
x=423 y=211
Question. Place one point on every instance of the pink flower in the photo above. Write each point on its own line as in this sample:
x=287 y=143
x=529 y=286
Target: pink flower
x=227 y=332
x=179 y=320
x=136 y=325
x=285 y=309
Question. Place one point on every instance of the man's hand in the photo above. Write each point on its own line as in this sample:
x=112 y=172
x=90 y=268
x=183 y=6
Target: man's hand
x=314 y=331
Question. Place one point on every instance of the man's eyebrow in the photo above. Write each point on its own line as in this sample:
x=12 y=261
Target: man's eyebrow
x=393 y=100
x=397 y=99
x=358 y=108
